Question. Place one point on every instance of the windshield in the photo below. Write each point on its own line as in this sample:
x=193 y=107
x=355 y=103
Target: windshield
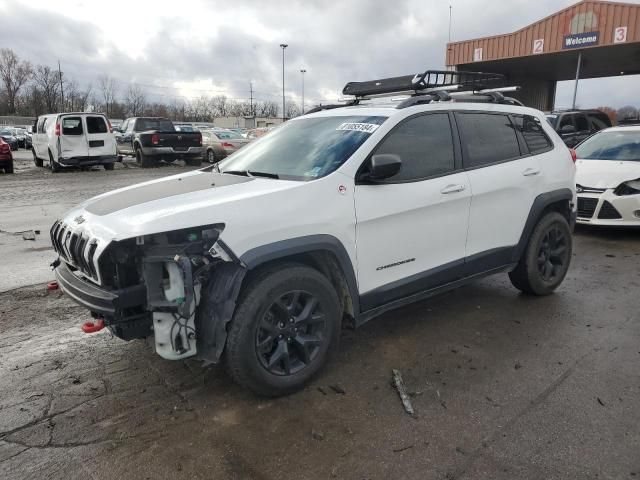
x=552 y=119
x=304 y=149
x=612 y=145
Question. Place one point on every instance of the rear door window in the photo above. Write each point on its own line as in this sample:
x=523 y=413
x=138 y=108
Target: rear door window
x=487 y=138
x=425 y=147
x=96 y=125
x=599 y=121
x=72 y=126
x=564 y=121
x=537 y=141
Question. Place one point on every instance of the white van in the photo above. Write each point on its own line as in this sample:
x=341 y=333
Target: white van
x=74 y=139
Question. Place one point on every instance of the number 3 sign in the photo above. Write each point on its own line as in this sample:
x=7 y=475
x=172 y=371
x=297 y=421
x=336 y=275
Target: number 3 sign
x=620 y=35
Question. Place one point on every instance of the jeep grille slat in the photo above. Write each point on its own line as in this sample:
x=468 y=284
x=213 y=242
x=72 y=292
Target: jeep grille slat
x=74 y=248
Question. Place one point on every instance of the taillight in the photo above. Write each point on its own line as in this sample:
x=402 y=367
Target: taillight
x=155 y=139
x=57 y=129
x=200 y=139
x=227 y=145
x=5 y=148
x=110 y=127
x=574 y=155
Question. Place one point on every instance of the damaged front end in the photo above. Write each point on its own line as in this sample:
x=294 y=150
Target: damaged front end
x=177 y=287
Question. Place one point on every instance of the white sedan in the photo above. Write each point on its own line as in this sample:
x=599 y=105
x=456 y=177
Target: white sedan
x=608 y=177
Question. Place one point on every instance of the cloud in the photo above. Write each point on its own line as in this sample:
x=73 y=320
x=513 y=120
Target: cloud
x=218 y=47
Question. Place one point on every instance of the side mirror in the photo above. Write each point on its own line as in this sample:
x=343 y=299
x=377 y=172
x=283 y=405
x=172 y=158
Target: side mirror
x=384 y=165
x=568 y=129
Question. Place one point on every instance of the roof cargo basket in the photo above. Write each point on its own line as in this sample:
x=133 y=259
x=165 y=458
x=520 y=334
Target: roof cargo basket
x=423 y=82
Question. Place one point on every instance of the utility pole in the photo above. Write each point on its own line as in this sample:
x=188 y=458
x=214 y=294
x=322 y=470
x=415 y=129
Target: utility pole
x=303 y=71
x=251 y=99
x=61 y=87
x=283 y=46
x=449 y=23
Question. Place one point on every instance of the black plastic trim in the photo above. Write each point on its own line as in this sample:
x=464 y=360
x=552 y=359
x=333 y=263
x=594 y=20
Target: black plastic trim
x=307 y=244
x=109 y=303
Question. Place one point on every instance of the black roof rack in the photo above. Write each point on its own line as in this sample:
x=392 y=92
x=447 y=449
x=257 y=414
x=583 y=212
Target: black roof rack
x=431 y=79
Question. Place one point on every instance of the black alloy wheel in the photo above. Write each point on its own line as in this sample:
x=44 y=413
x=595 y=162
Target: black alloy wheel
x=552 y=255
x=291 y=333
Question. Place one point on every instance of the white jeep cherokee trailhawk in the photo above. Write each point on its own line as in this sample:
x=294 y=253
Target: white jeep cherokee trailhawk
x=341 y=214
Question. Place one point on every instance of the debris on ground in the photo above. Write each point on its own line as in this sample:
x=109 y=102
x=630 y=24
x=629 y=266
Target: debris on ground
x=316 y=434
x=402 y=391
x=338 y=389
x=322 y=390
x=402 y=449
x=29 y=235
x=600 y=401
x=517 y=366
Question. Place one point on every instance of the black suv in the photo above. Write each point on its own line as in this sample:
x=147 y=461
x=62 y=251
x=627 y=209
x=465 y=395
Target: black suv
x=576 y=125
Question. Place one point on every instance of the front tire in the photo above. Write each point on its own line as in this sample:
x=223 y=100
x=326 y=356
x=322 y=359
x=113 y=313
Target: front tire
x=108 y=166
x=194 y=162
x=287 y=320
x=545 y=261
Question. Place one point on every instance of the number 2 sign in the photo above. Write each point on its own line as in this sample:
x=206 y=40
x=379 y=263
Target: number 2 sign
x=620 y=35
x=538 y=46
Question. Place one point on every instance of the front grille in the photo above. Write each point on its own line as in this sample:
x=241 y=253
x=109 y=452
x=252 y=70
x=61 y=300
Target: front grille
x=586 y=207
x=608 y=212
x=74 y=248
x=583 y=189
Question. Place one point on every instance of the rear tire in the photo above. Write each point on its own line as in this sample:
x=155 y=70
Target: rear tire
x=55 y=166
x=108 y=166
x=546 y=259
x=143 y=160
x=38 y=161
x=9 y=169
x=286 y=322
x=211 y=157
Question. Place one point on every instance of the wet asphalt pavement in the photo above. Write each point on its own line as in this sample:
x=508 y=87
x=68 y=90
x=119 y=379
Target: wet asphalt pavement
x=504 y=386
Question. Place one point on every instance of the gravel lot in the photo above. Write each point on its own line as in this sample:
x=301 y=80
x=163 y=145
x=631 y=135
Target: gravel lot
x=504 y=386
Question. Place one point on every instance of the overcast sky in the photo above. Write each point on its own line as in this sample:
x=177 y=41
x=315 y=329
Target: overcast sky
x=194 y=47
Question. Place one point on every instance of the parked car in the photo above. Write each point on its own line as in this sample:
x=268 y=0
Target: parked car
x=574 y=126
x=6 y=157
x=257 y=132
x=608 y=177
x=152 y=139
x=218 y=144
x=74 y=140
x=253 y=260
x=7 y=135
x=185 y=127
x=24 y=137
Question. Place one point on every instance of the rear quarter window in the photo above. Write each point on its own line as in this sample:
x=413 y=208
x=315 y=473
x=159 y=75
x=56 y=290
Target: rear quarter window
x=537 y=141
x=96 y=125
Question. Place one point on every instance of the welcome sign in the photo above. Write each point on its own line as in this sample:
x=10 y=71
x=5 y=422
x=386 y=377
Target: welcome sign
x=579 y=40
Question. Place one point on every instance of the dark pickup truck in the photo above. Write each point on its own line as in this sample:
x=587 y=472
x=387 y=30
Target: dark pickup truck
x=152 y=139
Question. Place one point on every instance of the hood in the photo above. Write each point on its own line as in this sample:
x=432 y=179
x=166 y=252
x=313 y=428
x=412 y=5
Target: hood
x=180 y=201
x=605 y=173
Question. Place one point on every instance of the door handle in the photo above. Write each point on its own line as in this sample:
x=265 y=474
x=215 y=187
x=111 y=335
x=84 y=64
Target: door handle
x=453 y=188
x=529 y=172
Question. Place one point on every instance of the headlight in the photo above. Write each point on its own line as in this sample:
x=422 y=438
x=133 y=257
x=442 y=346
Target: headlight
x=631 y=187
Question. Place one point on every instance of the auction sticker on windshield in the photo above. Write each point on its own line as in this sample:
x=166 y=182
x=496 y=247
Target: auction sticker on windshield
x=358 y=127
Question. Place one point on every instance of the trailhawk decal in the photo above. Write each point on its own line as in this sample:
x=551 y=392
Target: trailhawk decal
x=401 y=262
x=358 y=127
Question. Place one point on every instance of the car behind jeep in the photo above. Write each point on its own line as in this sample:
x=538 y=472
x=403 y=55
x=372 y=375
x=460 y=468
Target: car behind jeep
x=335 y=217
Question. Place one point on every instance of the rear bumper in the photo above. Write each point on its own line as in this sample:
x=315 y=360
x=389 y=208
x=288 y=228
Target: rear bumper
x=88 y=161
x=107 y=303
x=170 y=154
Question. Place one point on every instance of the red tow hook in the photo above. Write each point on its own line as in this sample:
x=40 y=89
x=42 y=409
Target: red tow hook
x=93 y=327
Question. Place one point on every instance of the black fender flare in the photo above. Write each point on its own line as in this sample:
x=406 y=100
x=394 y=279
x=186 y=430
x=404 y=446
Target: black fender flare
x=310 y=243
x=541 y=202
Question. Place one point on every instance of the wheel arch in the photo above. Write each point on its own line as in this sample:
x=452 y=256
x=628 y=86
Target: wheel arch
x=554 y=201
x=323 y=252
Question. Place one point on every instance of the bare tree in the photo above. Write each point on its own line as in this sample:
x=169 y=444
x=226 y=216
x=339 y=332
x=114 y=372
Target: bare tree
x=627 y=112
x=48 y=84
x=135 y=101
x=221 y=106
x=268 y=109
x=83 y=98
x=108 y=88
x=14 y=73
x=291 y=110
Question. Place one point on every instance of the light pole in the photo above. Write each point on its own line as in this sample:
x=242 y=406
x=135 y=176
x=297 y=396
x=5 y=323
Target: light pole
x=303 y=71
x=283 y=46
